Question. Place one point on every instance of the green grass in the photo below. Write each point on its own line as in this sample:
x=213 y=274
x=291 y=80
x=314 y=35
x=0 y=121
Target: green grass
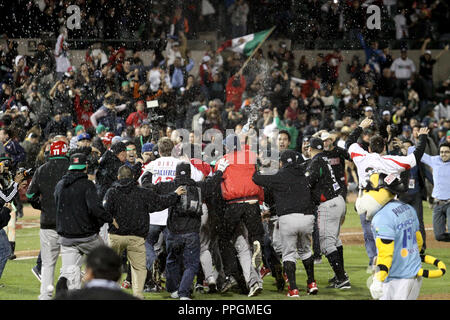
x=20 y=284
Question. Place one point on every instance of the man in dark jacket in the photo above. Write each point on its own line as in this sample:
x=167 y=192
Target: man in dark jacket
x=102 y=274
x=40 y=195
x=129 y=204
x=183 y=239
x=296 y=216
x=109 y=164
x=79 y=216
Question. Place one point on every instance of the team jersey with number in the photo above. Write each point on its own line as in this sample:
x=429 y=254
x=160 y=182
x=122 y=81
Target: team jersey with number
x=164 y=169
x=383 y=164
x=398 y=221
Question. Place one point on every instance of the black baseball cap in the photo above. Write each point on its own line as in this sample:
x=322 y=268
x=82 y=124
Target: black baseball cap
x=183 y=169
x=118 y=147
x=288 y=156
x=316 y=143
x=78 y=161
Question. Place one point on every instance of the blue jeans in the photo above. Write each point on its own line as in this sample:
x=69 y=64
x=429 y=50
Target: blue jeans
x=369 y=240
x=152 y=239
x=183 y=251
x=441 y=217
x=5 y=250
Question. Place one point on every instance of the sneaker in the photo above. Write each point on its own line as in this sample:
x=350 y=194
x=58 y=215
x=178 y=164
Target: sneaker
x=126 y=284
x=264 y=272
x=185 y=298
x=257 y=255
x=312 y=288
x=36 y=272
x=229 y=283
x=344 y=284
x=370 y=269
x=12 y=257
x=212 y=285
x=152 y=288
x=293 y=293
x=174 y=295
x=333 y=280
x=255 y=289
x=199 y=288
x=318 y=260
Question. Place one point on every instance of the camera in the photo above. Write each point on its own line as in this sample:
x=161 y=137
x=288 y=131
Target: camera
x=26 y=172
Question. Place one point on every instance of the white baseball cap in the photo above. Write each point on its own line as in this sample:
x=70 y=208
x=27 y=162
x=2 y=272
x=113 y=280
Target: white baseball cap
x=325 y=135
x=428 y=52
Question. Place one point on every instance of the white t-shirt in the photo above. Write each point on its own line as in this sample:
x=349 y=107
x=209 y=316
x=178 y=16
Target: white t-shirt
x=384 y=164
x=164 y=169
x=403 y=68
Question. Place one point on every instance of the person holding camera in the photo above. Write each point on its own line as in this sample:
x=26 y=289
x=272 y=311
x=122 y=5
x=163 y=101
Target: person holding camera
x=9 y=187
x=5 y=247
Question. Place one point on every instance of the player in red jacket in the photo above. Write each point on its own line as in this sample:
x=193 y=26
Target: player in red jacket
x=242 y=197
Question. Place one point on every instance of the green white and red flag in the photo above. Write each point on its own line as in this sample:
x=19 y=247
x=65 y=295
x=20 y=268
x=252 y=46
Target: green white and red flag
x=245 y=44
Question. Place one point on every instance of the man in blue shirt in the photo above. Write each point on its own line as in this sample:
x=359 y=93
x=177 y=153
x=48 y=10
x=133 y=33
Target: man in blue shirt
x=441 y=191
x=374 y=56
x=178 y=73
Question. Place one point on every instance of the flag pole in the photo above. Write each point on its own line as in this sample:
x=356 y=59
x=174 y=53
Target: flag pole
x=254 y=51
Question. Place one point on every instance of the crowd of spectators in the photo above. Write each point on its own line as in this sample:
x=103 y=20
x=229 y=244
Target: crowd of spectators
x=296 y=20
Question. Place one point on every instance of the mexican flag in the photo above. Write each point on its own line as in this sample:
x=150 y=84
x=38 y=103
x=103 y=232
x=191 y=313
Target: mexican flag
x=245 y=44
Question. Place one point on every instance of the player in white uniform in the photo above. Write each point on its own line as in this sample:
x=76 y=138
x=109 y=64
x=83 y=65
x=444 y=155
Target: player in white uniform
x=374 y=161
x=161 y=170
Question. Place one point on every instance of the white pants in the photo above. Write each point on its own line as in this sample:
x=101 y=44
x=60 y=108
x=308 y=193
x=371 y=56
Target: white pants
x=244 y=255
x=206 y=229
x=50 y=249
x=295 y=231
x=402 y=289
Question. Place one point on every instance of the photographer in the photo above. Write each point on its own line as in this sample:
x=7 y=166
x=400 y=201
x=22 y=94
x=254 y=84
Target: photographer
x=8 y=190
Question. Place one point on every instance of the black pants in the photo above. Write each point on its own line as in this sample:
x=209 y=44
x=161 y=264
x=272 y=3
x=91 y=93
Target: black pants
x=233 y=215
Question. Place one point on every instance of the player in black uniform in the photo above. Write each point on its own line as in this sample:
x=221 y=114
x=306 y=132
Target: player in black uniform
x=326 y=193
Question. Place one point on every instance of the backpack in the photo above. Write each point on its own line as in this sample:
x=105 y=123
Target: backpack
x=191 y=202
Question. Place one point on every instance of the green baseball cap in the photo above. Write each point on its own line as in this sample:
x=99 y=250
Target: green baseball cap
x=101 y=128
x=78 y=161
x=78 y=128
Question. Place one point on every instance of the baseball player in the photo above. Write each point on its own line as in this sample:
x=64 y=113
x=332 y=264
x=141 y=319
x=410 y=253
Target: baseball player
x=296 y=217
x=326 y=193
x=367 y=161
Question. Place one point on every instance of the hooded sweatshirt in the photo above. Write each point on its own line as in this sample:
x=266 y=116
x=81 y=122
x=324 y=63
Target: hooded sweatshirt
x=79 y=211
x=130 y=204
